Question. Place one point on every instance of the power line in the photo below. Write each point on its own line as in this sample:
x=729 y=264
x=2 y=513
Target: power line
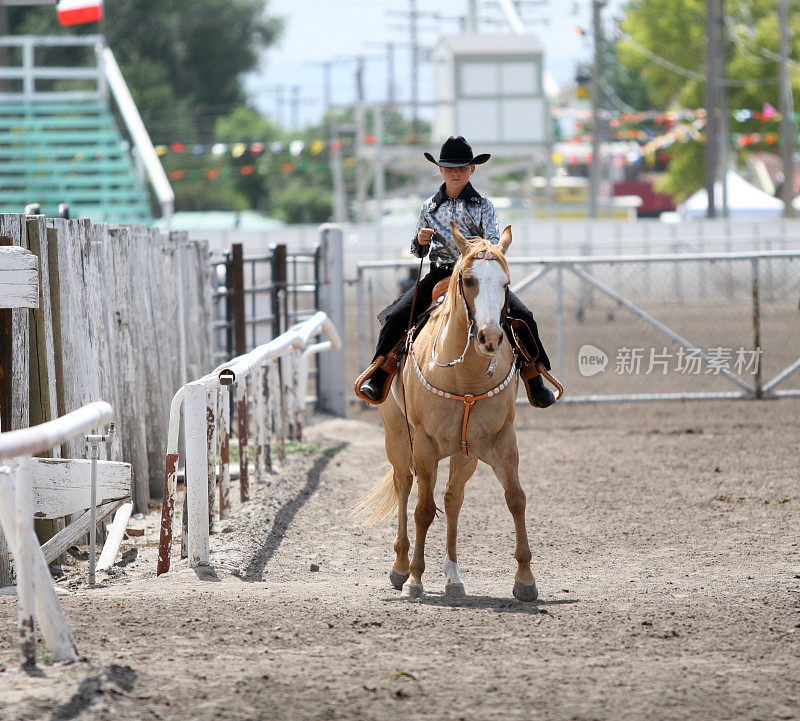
x=685 y=72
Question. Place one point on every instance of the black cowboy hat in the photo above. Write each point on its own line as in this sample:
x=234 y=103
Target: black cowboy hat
x=456 y=153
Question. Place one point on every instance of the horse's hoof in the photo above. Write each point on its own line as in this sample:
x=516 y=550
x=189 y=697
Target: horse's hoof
x=414 y=591
x=526 y=591
x=398 y=579
x=455 y=590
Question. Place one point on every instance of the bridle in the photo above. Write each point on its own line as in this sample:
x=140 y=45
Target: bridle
x=471 y=328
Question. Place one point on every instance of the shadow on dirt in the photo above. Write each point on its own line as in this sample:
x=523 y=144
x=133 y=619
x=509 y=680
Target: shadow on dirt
x=287 y=512
x=493 y=603
x=122 y=678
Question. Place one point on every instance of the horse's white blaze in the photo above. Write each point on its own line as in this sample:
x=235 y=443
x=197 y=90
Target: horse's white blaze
x=450 y=569
x=491 y=297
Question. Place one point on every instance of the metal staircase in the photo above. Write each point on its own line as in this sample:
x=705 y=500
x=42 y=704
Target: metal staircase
x=60 y=141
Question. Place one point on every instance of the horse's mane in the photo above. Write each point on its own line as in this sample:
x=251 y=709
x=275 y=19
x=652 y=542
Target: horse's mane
x=476 y=246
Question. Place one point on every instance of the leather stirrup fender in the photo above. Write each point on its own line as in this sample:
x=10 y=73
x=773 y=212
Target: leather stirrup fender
x=530 y=371
x=387 y=365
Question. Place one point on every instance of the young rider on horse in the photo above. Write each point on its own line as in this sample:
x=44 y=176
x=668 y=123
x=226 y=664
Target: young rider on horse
x=473 y=215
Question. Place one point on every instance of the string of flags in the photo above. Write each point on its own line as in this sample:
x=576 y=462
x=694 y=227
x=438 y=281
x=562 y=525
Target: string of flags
x=214 y=173
x=239 y=149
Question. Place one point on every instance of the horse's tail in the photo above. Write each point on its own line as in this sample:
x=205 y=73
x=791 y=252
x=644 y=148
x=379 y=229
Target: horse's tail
x=379 y=503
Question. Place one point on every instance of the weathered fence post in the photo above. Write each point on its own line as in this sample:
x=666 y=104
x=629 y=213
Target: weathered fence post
x=244 y=459
x=279 y=300
x=225 y=452
x=23 y=556
x=331 y=380
x=759 y=391
x=236 y=267
x=14 y=365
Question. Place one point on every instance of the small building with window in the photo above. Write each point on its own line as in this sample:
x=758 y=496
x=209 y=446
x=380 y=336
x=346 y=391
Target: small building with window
x=490 y=89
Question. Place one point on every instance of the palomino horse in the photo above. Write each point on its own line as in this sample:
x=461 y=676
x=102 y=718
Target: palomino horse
x=457 y=390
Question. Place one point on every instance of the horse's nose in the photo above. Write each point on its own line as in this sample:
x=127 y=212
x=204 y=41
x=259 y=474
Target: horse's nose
x=490 y=339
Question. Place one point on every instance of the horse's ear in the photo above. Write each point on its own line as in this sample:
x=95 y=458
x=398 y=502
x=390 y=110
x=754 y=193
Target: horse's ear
x=461 y=241
x=505 y=239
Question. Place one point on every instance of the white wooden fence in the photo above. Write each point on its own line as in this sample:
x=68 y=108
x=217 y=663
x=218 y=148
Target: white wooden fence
x=21 y=497
x=273 y=379
x=110 y=321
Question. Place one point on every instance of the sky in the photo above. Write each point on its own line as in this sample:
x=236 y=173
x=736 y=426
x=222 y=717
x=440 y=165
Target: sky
x=339 y=30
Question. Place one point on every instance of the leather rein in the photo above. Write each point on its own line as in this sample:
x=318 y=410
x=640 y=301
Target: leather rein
x=468 y=399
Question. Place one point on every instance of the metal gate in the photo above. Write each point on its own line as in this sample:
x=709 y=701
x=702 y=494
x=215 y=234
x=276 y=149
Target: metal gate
x=669 y=326
x=257 y=297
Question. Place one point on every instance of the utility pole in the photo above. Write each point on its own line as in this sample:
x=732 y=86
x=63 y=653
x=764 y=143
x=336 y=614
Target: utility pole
x=595 y=172
x=361 y=177
x=295 y=105
x=723 y=126
x=472 y=16
x=712 y=115
x=391 y=83
x=380 y=179
x=414 y=32
x=787 y=112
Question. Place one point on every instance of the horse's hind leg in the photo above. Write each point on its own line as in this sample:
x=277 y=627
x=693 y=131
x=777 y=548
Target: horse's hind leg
x=398 y=452
x=461 y=470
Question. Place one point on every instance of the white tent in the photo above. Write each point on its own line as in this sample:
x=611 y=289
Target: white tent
x=744 y=201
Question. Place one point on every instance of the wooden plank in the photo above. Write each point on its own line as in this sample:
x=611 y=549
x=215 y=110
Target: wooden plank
x=79 y=359
x=77 y=529
x=111 y=546
x=198 y=308
x=49 y=614
x=43 y=399
x=61 y=486
x=132 y=411
x=13 y=365
x=55 y=315
x=19 y=278
x=12 y=232
x=160 y=336
x=100 y=283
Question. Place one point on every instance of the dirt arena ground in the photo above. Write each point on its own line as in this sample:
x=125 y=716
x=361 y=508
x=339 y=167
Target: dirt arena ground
x=666 y=542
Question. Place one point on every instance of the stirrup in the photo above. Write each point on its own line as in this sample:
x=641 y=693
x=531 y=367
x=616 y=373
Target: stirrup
x=387 y=365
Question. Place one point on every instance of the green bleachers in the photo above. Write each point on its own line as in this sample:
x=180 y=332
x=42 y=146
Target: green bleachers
x=70 y=152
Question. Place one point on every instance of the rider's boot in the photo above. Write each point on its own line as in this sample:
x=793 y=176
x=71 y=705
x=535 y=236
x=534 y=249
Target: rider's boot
x=373 y=385
x=539 y=394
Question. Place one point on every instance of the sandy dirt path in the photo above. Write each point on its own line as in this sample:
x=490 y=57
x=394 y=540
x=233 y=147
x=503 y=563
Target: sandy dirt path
x=666 y=542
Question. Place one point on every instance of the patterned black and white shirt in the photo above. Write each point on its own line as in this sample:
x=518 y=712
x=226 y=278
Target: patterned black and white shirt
x=473 y=214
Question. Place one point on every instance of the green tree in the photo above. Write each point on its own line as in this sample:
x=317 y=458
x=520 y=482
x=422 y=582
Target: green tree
x=664 y=41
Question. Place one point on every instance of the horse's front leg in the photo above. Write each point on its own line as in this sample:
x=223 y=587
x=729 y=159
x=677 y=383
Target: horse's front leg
x=503 y=457
x=400 y=569
x=425 y=462
x=461 y=470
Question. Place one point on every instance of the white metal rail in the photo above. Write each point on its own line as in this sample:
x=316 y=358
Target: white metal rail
x=36 y=593
x=273 y=377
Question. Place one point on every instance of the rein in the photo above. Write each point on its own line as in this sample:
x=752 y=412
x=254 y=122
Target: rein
x=470 y=332
x=409 y=348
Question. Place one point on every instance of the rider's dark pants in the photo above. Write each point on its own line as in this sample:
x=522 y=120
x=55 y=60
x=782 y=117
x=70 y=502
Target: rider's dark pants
x=394 y=319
